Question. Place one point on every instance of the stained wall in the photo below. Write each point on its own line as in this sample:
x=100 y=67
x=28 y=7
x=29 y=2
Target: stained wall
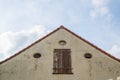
x=25 y=67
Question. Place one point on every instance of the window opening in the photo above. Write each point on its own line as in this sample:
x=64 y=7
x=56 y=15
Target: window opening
x=62 y=42
x=37 y=55
x=88 y=55
x=62 y=61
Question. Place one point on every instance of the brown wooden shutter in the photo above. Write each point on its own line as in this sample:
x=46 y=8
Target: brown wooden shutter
x=62 y=61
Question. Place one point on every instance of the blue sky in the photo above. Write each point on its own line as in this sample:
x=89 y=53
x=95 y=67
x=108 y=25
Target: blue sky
x=24 y=21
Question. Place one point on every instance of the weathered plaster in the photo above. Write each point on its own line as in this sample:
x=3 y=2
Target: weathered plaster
x=25 y=67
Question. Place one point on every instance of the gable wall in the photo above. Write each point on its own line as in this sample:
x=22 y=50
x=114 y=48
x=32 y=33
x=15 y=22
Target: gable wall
x=26 y=67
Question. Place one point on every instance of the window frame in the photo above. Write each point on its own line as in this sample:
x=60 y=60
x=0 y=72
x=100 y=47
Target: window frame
x=62 y=61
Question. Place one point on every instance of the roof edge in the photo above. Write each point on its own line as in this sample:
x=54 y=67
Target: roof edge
x=101 y=50
x=22 y=50
x=61 y=27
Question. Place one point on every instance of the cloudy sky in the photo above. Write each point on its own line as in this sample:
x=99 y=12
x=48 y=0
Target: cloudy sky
x=24 y=21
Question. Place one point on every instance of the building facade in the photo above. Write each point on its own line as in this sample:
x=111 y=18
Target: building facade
x=61 y=55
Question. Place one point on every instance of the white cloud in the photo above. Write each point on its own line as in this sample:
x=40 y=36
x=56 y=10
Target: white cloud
x=104 y=11
x=11 y=42
x=98 y=3
x=100 y=9
x=115 y=51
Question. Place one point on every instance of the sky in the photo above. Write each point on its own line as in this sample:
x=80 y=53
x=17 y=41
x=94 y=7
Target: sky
x=24 y=21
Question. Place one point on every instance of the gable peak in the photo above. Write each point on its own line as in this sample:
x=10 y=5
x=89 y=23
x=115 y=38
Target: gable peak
x=61 y=27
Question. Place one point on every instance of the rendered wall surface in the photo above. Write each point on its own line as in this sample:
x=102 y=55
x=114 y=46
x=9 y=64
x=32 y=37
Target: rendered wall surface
x=25 y=67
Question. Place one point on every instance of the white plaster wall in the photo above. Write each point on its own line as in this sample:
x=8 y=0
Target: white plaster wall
x=26 y=67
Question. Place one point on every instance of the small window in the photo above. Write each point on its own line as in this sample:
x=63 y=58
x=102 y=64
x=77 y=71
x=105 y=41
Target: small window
x=88 y=55
x=62 y=42
x=62 y=61
x=37 y=55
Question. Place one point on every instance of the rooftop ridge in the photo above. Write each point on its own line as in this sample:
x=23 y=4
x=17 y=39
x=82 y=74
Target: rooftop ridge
x=61 y=27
